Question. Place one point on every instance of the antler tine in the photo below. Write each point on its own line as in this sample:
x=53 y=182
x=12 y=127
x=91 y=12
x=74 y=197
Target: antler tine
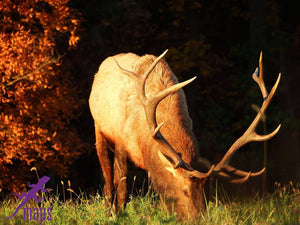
x=231 y=170
x=232 y=179
x=250 y=134
x=252 y=127
x=149 y=70
x=127 y=72
x=241 y=180
x=232 y=174
x=259 y=79
x=139 y=83
x=153 y=102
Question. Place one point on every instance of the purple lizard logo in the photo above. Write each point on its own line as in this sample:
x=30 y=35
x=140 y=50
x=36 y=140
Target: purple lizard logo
x=35 y=188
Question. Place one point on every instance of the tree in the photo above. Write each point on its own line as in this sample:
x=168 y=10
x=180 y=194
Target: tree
x=37 y=104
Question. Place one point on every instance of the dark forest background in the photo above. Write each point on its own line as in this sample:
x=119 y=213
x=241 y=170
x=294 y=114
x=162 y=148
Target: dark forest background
x=217 y=40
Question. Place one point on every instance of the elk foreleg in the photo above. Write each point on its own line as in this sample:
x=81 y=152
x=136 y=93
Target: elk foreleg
x=120 y=174
x=103 y=153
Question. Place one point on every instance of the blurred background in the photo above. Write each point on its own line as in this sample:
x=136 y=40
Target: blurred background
x=51 y=49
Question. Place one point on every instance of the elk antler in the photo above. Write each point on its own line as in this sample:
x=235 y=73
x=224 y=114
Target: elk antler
x=222 y=169
x=150 y=105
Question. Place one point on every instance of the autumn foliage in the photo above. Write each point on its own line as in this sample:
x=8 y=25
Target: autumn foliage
x=37 y=102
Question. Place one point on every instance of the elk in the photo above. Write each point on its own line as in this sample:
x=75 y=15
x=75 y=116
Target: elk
x=140 y=113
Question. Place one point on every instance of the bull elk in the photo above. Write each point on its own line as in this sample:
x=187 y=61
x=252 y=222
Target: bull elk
x=140 y=113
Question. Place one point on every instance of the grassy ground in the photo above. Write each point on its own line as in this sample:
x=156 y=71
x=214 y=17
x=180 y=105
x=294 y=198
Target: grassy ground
x=281 y=207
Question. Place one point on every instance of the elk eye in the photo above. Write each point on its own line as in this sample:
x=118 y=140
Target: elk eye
x=185 y=191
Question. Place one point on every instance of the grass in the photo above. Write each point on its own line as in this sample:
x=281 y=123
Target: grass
x=281 y=207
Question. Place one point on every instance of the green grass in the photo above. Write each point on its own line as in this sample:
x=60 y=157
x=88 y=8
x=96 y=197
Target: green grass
x=281 y=207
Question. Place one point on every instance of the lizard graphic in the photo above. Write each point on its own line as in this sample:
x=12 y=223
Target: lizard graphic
x=35 y=188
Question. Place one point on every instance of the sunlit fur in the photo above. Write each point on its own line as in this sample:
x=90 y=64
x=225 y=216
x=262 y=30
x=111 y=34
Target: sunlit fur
x=120 y=122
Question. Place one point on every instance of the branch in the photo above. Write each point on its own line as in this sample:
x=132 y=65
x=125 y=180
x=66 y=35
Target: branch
x=48 y=62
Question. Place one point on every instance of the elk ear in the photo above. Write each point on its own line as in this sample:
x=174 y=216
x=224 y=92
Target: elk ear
x=166 y=163
x=201 y=164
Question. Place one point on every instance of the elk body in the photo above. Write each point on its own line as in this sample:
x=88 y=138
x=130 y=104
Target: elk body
x=140 y=114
